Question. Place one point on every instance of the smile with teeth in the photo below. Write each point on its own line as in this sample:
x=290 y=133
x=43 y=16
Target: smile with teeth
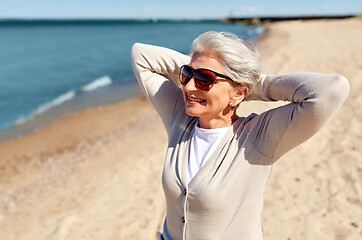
x=195 y=99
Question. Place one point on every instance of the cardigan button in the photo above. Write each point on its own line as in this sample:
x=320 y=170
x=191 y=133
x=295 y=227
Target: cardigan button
x=185 y=192
x=183 y=219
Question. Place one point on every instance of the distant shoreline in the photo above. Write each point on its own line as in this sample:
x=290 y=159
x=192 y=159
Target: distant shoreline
x=255 y=21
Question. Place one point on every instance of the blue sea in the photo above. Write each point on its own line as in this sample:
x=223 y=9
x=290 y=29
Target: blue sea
x=48 y=68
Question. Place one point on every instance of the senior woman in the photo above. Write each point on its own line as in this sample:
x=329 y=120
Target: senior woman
x=217 y=163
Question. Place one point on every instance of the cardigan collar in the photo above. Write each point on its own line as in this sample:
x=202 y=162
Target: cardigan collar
x=213 y=162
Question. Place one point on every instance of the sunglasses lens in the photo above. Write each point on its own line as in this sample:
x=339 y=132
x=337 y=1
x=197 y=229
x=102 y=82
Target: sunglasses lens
x=186 y=74
x=204 y=79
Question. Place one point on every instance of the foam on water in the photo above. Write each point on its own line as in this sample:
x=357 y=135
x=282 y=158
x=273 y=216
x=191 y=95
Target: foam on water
x=98 y=83
x=57 y=101
x=46 y=107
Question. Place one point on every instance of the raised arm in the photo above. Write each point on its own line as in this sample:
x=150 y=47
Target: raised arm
x=154 y=67
x=313 y=97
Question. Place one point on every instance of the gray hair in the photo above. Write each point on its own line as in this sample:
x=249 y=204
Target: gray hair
x=241 y=59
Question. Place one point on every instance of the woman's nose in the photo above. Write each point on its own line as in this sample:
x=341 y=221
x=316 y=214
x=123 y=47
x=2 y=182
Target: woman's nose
x=190 y=86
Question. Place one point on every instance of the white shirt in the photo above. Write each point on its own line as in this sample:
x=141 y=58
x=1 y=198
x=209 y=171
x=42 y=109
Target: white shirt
x=203 y=144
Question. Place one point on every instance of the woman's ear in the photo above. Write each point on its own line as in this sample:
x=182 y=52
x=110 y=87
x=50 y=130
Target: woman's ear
x=239 y=95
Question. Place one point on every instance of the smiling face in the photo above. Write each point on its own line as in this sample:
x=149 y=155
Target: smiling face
x=212 y=107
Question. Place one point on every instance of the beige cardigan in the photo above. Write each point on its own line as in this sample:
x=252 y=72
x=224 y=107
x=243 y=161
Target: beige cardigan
x=225 y=199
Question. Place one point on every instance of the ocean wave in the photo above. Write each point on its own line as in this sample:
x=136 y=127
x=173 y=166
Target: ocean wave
x=57 y=101
x=21 y=120
x=98 y=83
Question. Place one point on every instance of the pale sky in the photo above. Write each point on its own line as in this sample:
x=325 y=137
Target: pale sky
x=185 y=9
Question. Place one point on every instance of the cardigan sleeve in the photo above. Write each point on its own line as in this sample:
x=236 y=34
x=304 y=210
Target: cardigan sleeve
x=313 y=99
x=157 y=72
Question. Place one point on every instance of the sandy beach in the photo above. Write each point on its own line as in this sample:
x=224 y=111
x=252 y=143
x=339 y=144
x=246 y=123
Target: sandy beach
x=97 y=174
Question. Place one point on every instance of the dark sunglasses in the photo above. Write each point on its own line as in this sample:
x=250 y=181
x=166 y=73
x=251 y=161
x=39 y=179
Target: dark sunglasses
x=204 y=78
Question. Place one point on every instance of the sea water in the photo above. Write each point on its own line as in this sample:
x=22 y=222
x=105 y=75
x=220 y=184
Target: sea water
x=53 y=67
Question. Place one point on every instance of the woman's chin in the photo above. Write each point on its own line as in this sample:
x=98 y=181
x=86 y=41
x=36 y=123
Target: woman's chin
x=192 y=112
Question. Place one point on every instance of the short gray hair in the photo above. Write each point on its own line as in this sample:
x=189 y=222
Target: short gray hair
x=241 y=59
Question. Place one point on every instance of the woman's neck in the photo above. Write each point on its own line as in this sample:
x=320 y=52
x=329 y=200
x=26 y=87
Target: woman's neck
x=217 y=123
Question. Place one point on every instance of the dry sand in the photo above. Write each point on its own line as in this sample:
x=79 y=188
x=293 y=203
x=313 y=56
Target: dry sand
x=97 y=174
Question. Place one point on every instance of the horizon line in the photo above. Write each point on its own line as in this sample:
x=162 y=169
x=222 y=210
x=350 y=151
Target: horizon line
x=170 y=19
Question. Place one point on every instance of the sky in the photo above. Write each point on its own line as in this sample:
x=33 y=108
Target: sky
x=170 y=9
